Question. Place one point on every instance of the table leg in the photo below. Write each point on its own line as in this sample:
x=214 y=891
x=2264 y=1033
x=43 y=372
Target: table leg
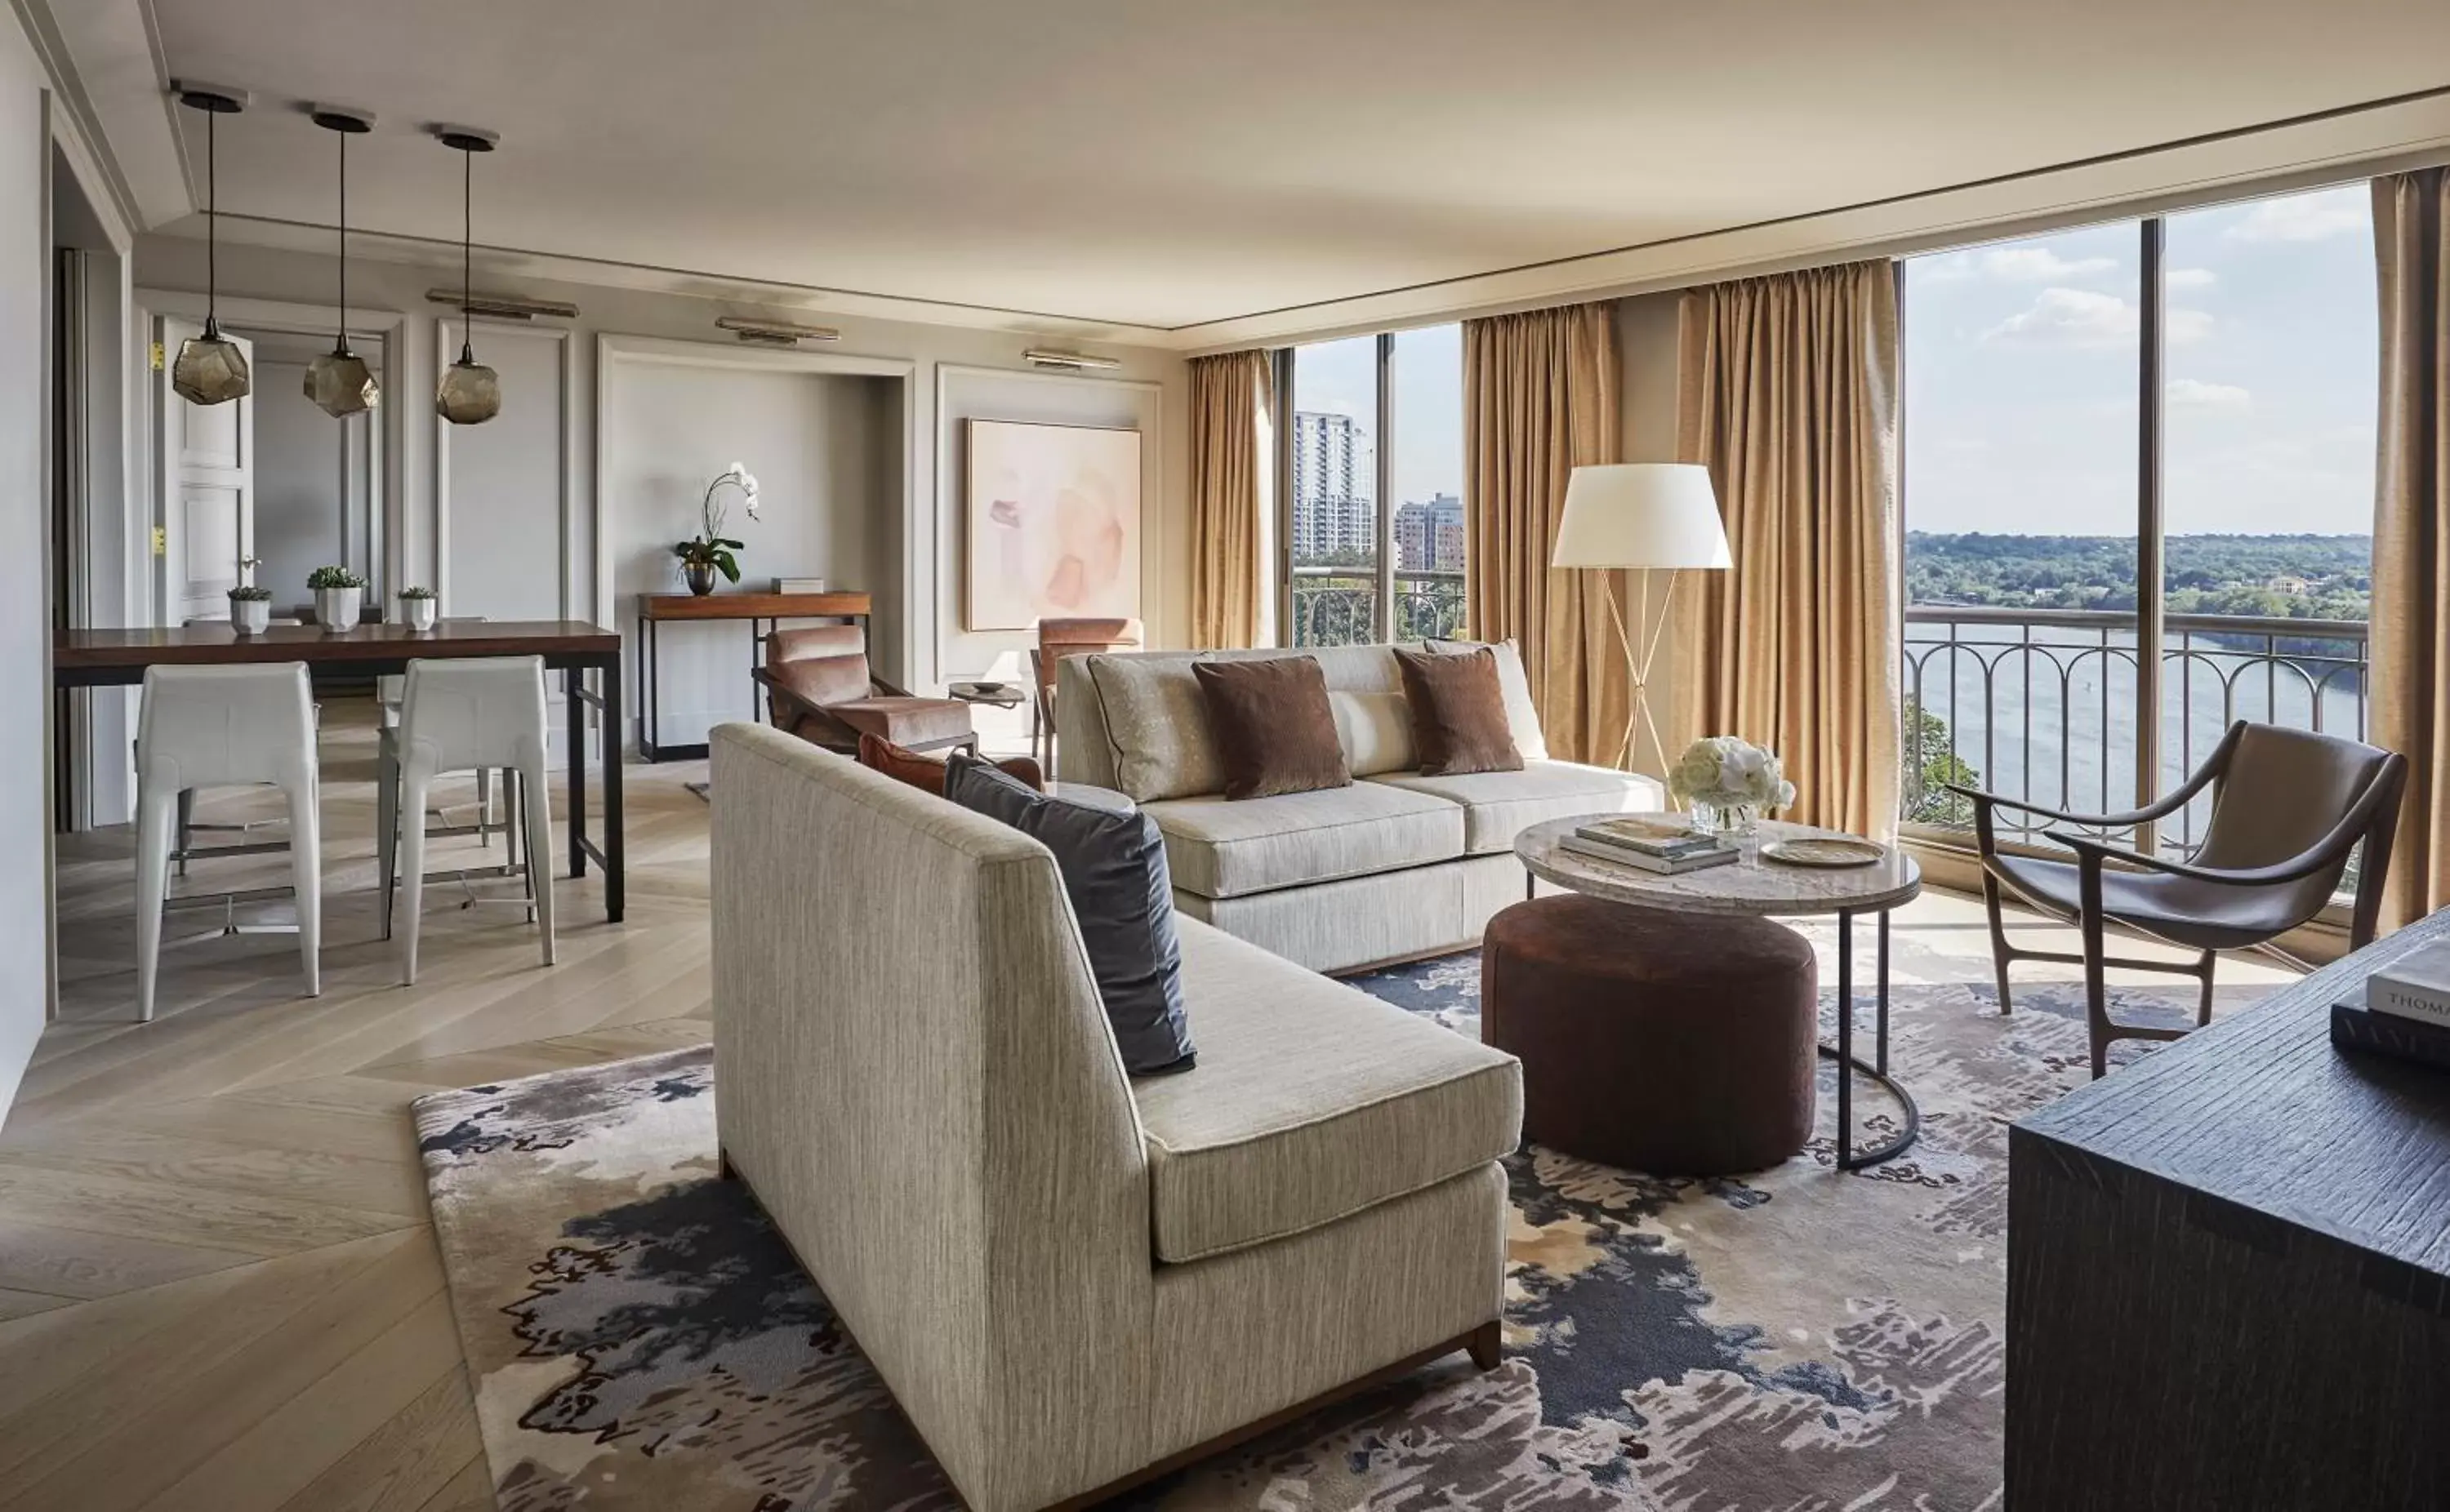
x=646 y=656
x=1845 y=1041
x=616 y=870
x=1880 y=1050
x=574 y=682
x=1849 y=1158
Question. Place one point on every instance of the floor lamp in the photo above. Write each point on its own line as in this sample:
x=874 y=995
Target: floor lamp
x=1642 y=516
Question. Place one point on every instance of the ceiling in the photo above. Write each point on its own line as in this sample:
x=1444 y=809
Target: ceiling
x=1172 y=164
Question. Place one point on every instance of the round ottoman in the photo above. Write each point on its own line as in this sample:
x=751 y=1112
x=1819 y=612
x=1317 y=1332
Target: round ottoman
x=1676 y=1044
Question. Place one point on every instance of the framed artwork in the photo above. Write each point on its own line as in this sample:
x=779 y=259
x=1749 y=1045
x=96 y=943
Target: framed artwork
x=1054 y=520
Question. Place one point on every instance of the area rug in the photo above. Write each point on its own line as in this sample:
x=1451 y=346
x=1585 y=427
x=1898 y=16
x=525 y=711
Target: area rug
x=1795 y=1341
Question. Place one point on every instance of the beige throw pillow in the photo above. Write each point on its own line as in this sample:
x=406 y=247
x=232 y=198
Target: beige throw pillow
x=1375 y=730
x=1157 y=722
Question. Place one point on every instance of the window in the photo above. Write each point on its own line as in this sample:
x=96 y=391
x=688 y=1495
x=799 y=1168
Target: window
x=1372 y=463
x=2190 y=399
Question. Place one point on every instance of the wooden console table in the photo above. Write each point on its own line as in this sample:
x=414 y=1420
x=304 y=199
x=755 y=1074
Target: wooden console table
x=2228 y=1272
x=762 y=612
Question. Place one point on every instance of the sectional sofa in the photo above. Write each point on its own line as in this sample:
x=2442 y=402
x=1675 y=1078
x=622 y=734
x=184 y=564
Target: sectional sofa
x=1397 y=865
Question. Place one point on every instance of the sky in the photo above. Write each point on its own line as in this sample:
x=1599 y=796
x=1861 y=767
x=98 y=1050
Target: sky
x=1341 y=377
x=2020 y=376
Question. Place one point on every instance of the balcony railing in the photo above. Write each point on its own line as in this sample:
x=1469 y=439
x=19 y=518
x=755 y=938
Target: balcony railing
x=1338 y=605
x=2040 y=704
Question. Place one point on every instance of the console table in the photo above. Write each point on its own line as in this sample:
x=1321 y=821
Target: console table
x=762 y=612
x=2228 y=1272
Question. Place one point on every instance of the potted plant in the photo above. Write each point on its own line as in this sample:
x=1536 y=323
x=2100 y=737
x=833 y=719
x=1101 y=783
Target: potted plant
x=711 y=552
x=339 y=595
x=1728 y=784
x=416 y=606
x=250 y=609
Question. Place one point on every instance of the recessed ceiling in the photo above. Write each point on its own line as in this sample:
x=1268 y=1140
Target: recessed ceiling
x=1172 y=164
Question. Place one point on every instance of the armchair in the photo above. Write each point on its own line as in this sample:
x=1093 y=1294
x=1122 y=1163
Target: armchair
x=820 y=688
x=1056 y=639
x=2288 y=808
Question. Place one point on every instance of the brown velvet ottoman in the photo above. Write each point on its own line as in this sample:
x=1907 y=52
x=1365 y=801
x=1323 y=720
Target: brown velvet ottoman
x=1676 y=1044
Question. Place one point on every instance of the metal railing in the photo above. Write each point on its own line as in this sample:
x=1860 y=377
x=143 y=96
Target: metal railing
x=1338 y=605
x=2041 y=704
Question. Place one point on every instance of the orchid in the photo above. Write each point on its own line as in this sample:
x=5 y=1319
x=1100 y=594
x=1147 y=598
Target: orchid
x=712 y=547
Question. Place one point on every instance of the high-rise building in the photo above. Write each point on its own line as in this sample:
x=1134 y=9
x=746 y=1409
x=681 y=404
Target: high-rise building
x=1428 y=535
x=1332 y=510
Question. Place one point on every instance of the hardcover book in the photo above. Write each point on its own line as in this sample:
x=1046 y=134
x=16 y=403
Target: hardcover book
x=1657 y=837
x=1714 y=855
x=2415 y=986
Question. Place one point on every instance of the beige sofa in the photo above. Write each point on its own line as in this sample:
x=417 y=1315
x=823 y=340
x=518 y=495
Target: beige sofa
x=1066 y=1277
x=1397 y=865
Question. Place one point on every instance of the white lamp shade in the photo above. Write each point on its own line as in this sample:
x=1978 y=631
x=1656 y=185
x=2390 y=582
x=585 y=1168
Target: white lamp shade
x=1661 y=515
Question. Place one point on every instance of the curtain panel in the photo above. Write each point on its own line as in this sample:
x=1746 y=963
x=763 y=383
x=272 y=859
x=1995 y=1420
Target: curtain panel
x=1231 y=465
x=1790 y=396
x=1540 y=399
x=2410 y=686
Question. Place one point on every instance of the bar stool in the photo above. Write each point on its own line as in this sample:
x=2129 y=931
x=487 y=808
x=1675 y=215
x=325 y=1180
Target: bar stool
x=225 y=727
x=463 y=715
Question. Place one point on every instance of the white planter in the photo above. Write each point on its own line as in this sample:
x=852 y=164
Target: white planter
x=418 y=612
x=337 y=607
x=251 y=615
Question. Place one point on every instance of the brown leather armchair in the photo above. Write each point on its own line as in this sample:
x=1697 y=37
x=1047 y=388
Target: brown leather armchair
x=820 y=688
x=2288 y=808
x=1056 y=639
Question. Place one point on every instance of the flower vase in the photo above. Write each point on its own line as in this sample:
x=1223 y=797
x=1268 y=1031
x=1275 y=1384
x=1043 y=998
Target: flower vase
x=1725 y=821
x=339 y=607
x=700 y=577
x=252 y=616
x=419 y=613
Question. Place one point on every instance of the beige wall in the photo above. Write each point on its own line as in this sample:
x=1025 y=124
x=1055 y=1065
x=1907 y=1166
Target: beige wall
x=1646 y=337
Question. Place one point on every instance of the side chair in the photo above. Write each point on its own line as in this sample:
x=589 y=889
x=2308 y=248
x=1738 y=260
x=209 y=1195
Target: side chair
x=819 y=686
x=2289 y=807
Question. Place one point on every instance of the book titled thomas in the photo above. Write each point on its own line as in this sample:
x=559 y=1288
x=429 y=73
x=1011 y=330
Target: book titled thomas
x=2417 y=985
x=1649 y=834
x=1709 y=853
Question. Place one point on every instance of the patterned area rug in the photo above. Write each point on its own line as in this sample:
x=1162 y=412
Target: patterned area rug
x=1789 y=1341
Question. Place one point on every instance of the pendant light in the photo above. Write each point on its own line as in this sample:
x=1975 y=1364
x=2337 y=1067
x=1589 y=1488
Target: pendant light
x=470 y=393
x=339 y=381
x=212 y=368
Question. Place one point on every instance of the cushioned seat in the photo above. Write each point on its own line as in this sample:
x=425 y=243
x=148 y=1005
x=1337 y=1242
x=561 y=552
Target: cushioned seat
x=2209 y=916
x=904 y=720
x=1310 y=1103
x=1221 y=848
x=1500 y=805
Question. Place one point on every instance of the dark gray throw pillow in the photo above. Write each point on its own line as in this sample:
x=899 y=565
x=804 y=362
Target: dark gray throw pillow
x=1114 y=871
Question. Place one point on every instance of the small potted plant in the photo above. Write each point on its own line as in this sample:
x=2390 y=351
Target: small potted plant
x=339 y=593
x=250 y=609
x=1728 y=784
x=709 y=551
x=416 y=606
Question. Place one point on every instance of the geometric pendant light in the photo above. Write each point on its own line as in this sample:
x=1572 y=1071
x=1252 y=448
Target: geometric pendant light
x=339 y=381
x=211 y=369
x=470 y=393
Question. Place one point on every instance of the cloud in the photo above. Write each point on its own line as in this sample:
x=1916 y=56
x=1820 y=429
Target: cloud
x=2189 y=278
x=2305 y=218
x=2184 y=326
x=2039 y=265
x=2077 y=318
x=2194 y=394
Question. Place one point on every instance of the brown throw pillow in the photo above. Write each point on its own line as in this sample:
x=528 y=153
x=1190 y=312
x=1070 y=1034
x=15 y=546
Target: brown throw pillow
x=925 y=772
x=1458 y=712
x=1274 y=728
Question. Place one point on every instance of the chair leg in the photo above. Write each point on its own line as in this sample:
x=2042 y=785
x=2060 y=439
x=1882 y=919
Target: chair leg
x=2203 y=1010
x=307 y=876
x=1999 y=951
x=412 y=871
x=2096 y=992
x=485 y=805
x=186 y=825
x=530 y=789
x=157 y=826
x=387 y=825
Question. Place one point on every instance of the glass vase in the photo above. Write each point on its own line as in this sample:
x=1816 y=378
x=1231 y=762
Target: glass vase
x=1725 y=821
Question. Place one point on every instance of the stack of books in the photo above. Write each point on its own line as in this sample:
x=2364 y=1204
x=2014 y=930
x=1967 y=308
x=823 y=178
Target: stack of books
x=1650 y=844
x=2407 y=1009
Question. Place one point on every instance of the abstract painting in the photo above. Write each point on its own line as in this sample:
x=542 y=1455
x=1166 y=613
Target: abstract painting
x=1053 y=517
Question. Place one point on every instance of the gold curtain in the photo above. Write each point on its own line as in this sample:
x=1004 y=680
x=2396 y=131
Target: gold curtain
x=1789 y=394
x=2411 y=547
x=1539 y=399
x=1230 y=465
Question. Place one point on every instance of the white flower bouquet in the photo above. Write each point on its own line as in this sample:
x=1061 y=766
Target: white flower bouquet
x=1727 y=782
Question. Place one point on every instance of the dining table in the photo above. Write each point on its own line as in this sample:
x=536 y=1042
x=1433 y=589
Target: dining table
x=119 y=658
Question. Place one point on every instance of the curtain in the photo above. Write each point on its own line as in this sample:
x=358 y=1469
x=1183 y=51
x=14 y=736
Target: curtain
x=1539 y=399
x=1231 y=466
x=2410 y=688
x=1789 y=393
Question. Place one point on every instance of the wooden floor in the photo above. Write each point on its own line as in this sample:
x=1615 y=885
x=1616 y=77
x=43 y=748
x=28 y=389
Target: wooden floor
x=218 y=1288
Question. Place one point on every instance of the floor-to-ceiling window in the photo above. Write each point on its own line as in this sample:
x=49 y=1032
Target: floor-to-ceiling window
x=1373 y=468
x=2138 y=497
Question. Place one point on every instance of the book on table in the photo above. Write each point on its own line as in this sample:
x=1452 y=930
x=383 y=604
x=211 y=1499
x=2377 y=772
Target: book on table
x=2417 y=985
x=1649 y=834
x=1714 y=854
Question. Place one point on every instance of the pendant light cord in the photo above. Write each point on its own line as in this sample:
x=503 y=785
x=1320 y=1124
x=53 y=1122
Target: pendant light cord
x=343 y=340
x=467 y=243
x=212 y=224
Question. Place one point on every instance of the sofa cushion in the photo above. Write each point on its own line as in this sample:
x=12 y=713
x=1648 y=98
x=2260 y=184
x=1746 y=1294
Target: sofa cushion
x=1375 y=730
x=1522 y=715
x=1157 y=723
x=1219 y=848
x=1459 y=720
x=1275 y=730
x=1499 y=806
x=905 y=721
x=1312 y=1101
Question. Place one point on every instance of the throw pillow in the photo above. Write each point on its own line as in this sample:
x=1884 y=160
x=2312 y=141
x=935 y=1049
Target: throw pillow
x=926 y=773
x=1521 y=718
x=1458 y=712
x=1114 y=871
x=1275 y=730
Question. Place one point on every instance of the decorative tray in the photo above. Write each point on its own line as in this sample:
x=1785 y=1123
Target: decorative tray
x=1824 y=853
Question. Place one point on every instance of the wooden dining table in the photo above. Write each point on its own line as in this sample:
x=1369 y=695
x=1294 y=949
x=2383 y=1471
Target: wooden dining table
x=118 y=658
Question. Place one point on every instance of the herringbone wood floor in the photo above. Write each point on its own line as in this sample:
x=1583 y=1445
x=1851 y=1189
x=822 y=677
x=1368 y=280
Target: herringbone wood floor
x=218 y=1288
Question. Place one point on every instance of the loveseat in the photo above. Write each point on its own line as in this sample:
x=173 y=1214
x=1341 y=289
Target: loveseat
x=1396 y=864
x=1066 y=1276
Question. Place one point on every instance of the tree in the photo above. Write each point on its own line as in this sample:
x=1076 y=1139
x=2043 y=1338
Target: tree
x=1932 y=761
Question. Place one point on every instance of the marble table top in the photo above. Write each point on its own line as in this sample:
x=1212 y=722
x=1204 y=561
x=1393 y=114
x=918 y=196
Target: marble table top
x=1749 y=886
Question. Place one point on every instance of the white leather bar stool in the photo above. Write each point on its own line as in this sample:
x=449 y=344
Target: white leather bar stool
x=225 y=727
x=460 y=715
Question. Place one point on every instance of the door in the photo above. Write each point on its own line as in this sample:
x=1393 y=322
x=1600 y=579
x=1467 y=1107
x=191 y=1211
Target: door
x=207 y=460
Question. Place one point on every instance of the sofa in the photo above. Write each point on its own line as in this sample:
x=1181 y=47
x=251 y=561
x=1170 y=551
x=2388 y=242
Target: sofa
x=1395 y=866
x=1069 y=1279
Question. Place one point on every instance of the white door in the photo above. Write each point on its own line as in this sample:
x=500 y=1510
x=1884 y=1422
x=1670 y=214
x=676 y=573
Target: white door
x=207 y=458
